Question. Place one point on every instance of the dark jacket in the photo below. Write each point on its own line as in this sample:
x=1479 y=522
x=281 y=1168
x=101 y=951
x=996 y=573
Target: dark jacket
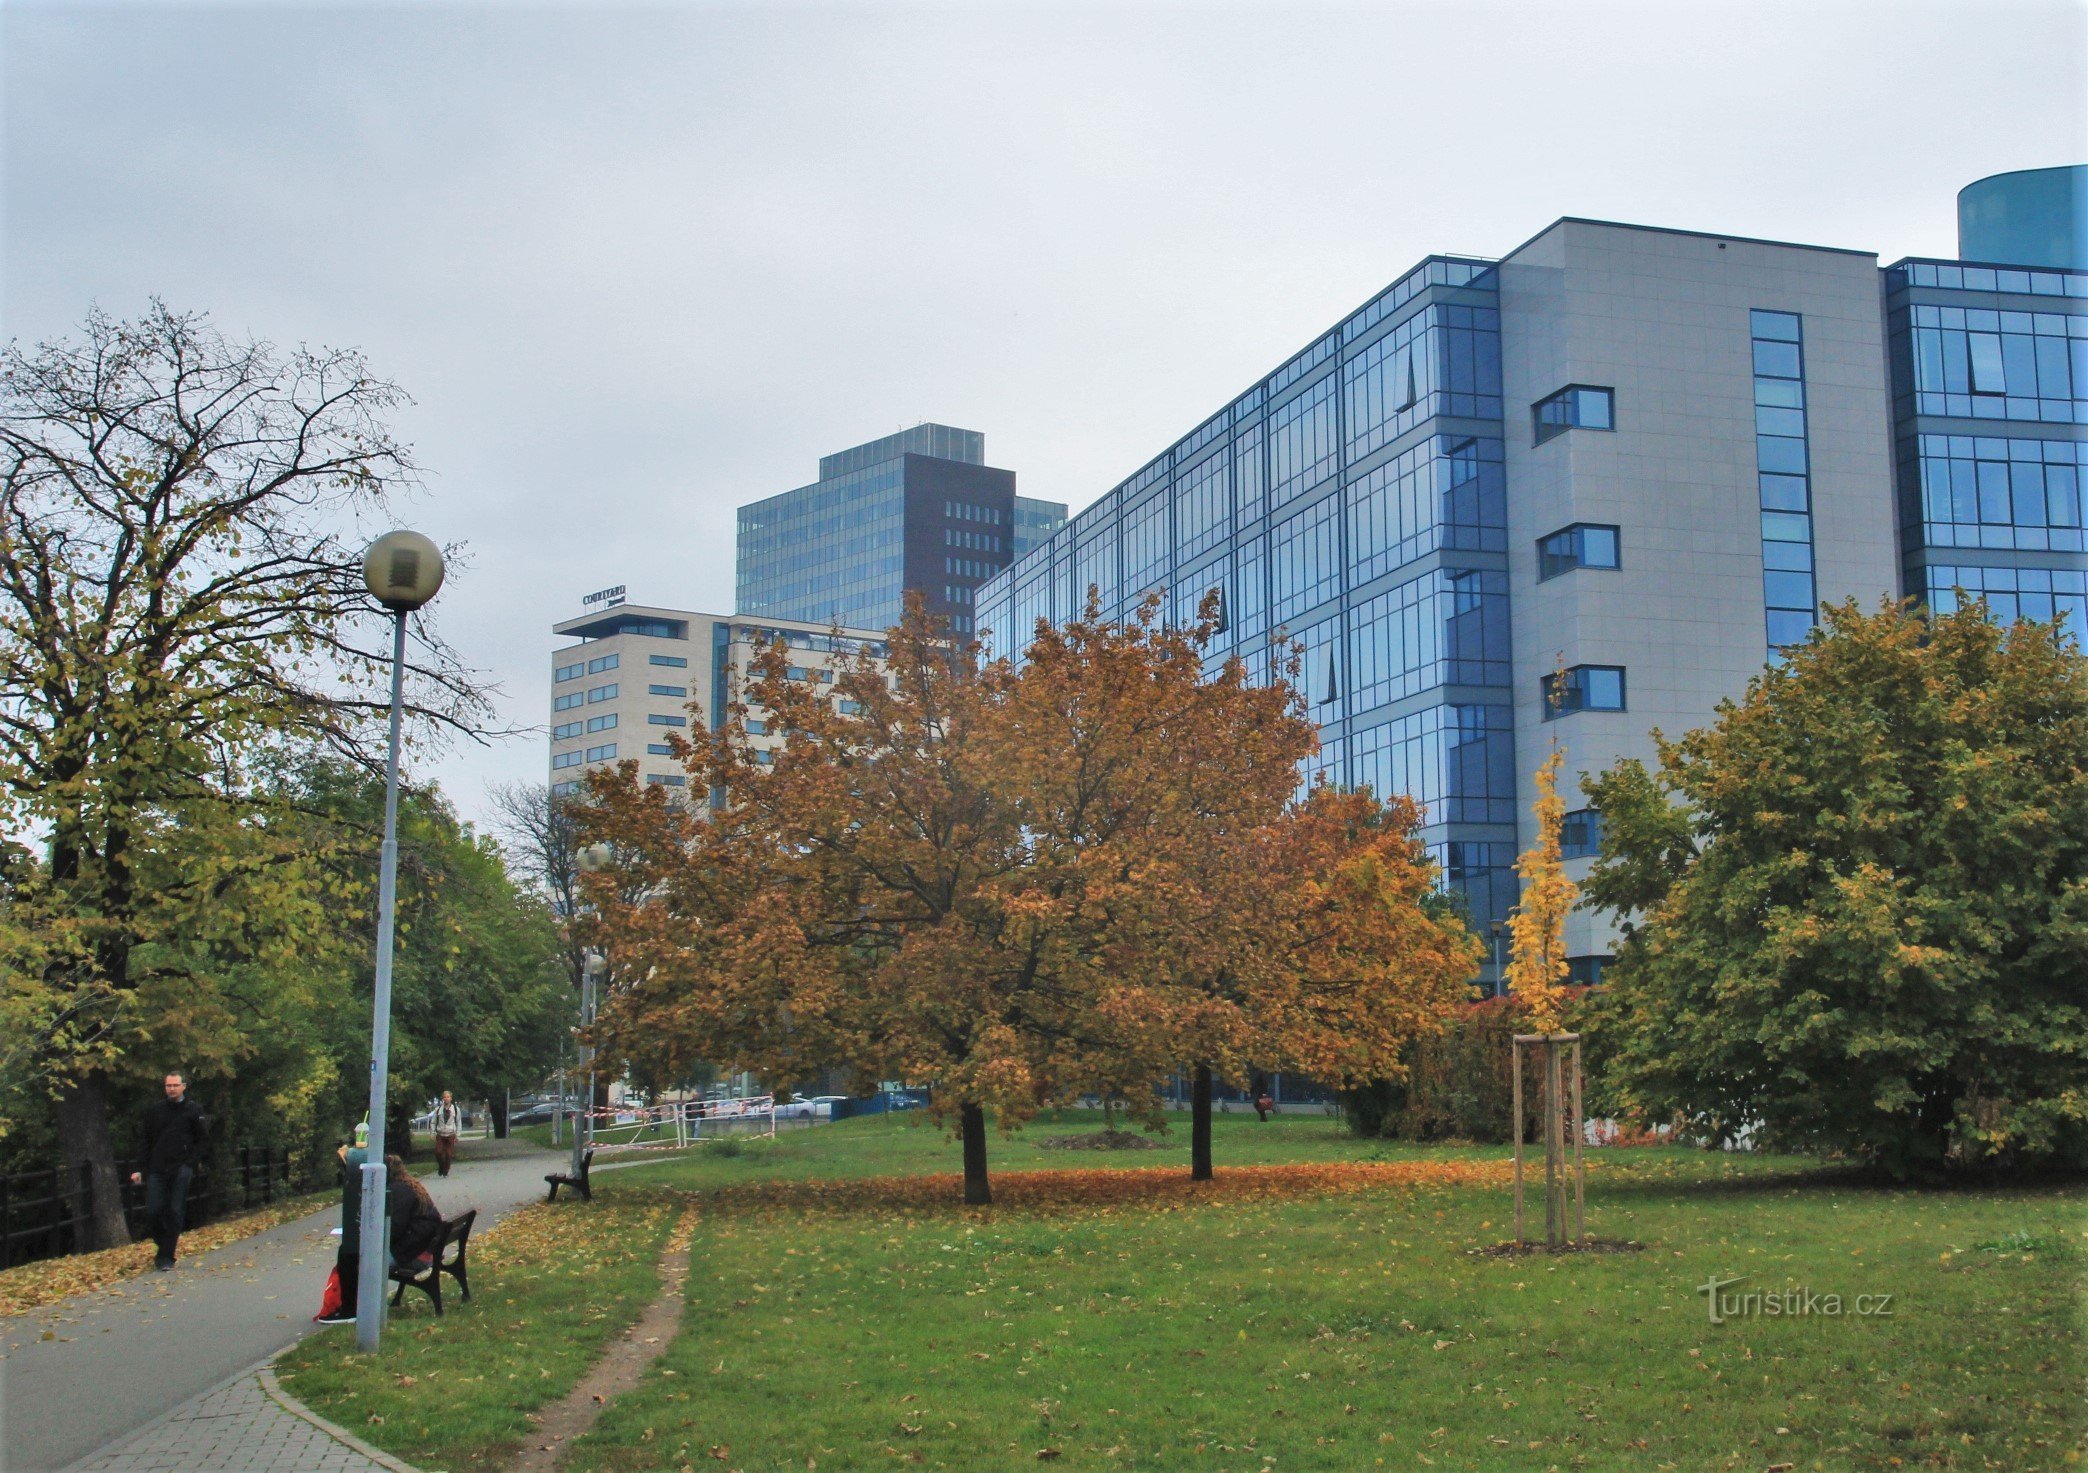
x=415 y=1224
x=171 y=1136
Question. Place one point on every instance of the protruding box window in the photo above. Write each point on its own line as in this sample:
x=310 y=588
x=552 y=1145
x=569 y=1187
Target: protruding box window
x=1583 y=688
x=1575 y=407
x=1582 y=545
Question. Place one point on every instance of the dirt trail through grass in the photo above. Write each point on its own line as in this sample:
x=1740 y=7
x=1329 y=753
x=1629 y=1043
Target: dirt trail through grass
x=621 y=1367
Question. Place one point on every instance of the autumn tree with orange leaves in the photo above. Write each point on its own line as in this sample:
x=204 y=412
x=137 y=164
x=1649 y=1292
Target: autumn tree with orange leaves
x=1017 y=883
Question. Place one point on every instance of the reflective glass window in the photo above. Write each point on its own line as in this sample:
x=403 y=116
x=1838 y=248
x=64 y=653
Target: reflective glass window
x=1580 y=835
x=1577 y=406
x=1582 y=688
x=1582 y=545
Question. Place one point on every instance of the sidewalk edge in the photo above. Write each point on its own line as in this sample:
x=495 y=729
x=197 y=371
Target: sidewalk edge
x=273 y=1389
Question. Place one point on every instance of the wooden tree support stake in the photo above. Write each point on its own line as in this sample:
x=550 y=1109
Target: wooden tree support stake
x=1561 y=1223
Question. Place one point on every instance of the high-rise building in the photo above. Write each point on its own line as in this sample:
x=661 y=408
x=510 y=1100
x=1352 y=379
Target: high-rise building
x=917 y=510
x=641 y=674
x=1588 y=489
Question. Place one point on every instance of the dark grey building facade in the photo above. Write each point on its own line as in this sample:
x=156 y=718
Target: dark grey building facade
x=917 y=510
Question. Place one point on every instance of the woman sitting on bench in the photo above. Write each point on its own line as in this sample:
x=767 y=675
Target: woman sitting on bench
x=416 y=1222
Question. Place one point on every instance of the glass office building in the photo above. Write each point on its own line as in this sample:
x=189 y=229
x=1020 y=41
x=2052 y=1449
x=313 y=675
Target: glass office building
x=1990 y=401
x=1588 y=490
x=917 y=510
x=1353 y=502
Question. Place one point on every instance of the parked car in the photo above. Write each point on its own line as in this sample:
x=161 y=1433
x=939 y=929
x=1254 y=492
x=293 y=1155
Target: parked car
x=540 y=1112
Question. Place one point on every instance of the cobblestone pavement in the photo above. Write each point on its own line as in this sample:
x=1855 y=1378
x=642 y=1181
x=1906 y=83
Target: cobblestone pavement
x=247 y=1425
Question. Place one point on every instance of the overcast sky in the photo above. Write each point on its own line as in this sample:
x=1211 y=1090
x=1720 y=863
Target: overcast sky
x=639 y=264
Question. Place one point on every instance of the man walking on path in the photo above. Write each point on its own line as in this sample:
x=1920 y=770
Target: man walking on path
x=449 y=1123
x=170 y=1141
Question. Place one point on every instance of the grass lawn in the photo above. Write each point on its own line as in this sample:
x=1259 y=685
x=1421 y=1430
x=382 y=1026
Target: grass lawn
x=1353 y=1329
x=844 y=1312
x=551 y=1284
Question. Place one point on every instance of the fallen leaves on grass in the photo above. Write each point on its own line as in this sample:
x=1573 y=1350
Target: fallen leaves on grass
x=33 y=1285
x=1136 y=1186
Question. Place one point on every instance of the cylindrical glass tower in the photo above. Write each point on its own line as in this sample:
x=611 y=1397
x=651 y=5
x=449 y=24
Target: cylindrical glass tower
x=2032 y=217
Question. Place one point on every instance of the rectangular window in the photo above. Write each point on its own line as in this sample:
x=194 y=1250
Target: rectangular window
x=604 y=662
x=659 y=749
x=569 y=729
x=601 y=723
x=665 y=780
x=674 y=662
x=667 y=690
x=603 y=753
x=568 y=672
x=1783 y=463
x=1585 y=971
x=1582 y=688
x=1575 y=407
x=569 y=700
x=1582 y=545
x=564 y=789
x=1303 y=450
x=850 y=708
x=1989 y=376
x=601 y=693
x=660 y=719
x=1581 y=834
x=1305 y=559
x=562 y=760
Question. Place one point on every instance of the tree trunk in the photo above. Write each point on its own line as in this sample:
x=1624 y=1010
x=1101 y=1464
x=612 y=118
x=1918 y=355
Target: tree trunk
x=1108 y=1116
x=499 y=1106
x=1200 y=1124
x=978 y=1191
x=83 y=1140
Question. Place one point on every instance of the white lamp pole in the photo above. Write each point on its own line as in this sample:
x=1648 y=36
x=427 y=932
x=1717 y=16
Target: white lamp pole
x=402 y=570
x=591 y=858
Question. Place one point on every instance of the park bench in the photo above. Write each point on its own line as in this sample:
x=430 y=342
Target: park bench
x=425 y=1272
x=577 y=1180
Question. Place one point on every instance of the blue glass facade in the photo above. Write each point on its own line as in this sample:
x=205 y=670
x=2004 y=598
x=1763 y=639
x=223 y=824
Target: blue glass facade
x=1350 y=505
x=1990 y=419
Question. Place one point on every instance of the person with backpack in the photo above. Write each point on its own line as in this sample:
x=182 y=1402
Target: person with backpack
x=449 y=1124
x=337 y=1305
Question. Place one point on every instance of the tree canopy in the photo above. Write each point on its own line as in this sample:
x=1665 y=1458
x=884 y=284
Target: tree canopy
x=1016 y=883
x=1855 y=908
x=182 y=518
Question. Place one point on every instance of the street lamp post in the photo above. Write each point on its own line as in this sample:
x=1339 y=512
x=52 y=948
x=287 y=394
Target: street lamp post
x=591 y=858
x=402 y=570
x=1500 y=930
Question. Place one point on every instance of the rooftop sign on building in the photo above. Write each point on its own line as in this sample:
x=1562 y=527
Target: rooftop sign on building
x=606 y=597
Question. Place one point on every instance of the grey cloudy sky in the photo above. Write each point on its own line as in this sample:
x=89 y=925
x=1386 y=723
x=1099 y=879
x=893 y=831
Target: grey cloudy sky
x=640 y=263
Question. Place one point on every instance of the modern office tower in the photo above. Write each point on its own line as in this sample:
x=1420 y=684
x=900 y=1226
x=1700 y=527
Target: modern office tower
x=640 y=674
x=1588 y=490
x=920 y=509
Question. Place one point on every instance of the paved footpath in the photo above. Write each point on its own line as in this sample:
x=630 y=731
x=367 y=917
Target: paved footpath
x=179 y=1354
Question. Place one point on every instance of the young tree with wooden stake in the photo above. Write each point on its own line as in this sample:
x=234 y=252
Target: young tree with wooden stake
x=1537 y=970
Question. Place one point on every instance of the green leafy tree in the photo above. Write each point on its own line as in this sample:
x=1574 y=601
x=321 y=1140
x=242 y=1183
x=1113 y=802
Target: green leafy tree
x=1855 y=908
x=181 y=525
